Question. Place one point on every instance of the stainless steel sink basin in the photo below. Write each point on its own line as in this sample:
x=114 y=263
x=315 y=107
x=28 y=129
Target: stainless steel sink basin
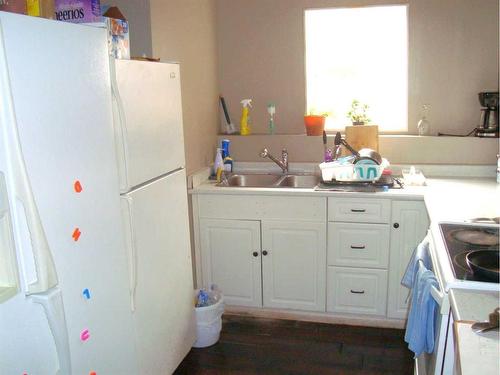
x=270 y=181
x=251 y=180
x=299 y=181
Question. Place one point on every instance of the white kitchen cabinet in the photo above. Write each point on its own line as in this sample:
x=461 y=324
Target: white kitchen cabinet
x=294 y=264
x=274 y=251
x=231 y=259
x=409 y=226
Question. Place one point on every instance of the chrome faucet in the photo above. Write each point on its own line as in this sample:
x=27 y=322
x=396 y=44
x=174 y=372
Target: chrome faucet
x=283 y=163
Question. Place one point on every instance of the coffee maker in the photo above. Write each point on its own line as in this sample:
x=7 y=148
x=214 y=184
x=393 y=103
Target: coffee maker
x=488 y=123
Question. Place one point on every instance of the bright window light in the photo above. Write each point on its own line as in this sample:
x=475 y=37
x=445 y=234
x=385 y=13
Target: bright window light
x=361 y=54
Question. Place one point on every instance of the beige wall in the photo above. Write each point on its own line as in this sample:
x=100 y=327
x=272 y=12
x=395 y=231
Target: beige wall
x=453 y=55
x=185 y=31
x=137 y=13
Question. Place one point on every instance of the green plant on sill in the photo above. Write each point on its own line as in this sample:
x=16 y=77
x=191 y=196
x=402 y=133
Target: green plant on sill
x=313 y=112
x=358 y=113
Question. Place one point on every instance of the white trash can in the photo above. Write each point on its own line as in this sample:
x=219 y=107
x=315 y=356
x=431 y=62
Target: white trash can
x=208 y=324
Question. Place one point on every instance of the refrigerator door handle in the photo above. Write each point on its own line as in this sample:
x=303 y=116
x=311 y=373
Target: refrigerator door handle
x=120 y=128
x=127 y=203
x=53 y=307
x=44 y=264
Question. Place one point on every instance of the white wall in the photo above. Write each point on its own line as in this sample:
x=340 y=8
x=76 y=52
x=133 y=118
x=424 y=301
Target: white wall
x=453 y=55
x=184 y=31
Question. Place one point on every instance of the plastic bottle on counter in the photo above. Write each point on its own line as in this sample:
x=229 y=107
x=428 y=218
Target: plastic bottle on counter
x=226 y=156
x=218 y=164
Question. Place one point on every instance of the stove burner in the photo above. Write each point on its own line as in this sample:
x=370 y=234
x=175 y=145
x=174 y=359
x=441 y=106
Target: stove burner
x=476 y=236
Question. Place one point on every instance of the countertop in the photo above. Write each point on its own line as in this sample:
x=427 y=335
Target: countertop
x=475 y=351
x=447 y=199
x=471 y=305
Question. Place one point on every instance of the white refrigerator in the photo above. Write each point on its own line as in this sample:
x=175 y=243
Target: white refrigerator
x=150 y=152
x=91 y=281
x=64 y=271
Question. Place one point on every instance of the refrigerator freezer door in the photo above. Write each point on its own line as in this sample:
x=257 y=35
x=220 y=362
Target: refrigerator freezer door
x=161 y=268
x=59 y=78
x=148 y=120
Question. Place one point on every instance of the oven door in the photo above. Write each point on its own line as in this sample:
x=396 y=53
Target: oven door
x=440 y=361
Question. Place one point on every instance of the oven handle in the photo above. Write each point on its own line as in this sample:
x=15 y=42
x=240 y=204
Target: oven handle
x=442 y=300
x=439 y=296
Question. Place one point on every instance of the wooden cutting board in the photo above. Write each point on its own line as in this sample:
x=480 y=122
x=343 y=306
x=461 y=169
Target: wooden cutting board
x=362 y=136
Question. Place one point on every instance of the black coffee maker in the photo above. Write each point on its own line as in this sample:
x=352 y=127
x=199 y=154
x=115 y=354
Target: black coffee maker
x=488 y=123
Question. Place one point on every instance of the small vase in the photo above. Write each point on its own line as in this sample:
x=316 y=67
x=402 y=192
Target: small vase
x=315 y=124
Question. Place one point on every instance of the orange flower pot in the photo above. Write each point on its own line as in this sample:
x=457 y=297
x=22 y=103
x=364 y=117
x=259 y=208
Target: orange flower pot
x=315 y=124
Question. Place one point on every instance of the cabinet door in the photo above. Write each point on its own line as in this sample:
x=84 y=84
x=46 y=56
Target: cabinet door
x=294 y=265
x=409 y=226
x=231 y=259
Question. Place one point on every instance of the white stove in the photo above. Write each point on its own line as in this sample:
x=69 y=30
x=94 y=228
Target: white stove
x=451 y=242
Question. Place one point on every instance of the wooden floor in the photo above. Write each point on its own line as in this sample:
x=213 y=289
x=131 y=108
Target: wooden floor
x=266 y=346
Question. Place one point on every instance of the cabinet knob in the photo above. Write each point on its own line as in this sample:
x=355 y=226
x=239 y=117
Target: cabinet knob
x=255 y=254
x=396 y=225
x=264 y=252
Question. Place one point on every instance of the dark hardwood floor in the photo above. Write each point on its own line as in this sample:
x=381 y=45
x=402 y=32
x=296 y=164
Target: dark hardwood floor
x=267 y=346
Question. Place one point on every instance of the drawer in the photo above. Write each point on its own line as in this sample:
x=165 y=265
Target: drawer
x=358 y=245
x=359 y=210
x=356 y=291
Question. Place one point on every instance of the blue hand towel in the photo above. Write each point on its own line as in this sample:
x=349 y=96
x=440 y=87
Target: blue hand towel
x=421 y=319
x=421 y=252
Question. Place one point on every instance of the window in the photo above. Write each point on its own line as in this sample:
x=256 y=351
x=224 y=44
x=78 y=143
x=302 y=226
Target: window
x=361 y=54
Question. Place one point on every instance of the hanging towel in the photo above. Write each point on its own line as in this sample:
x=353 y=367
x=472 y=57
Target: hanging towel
x=423 y=308
x=421 y=252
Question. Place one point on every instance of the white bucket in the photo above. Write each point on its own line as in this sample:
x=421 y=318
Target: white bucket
x=208 y=324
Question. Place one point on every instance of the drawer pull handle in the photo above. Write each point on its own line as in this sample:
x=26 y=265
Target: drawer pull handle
x=358 y=210
x=358 y=247
x=357 y=291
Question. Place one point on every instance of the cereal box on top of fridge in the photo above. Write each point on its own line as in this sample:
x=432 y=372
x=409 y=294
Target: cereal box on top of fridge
x=78 y=11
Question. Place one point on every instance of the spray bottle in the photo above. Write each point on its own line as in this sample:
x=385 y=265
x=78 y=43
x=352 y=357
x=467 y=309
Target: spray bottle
x=245 y=117
x=271 y=109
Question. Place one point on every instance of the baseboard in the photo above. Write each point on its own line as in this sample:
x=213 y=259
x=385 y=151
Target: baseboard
x=364 y=320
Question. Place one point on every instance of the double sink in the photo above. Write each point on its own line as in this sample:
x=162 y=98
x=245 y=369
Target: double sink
x=301 y=181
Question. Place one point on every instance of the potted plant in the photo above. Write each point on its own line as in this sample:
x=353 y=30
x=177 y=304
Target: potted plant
x=315 y=124
x=358 y=113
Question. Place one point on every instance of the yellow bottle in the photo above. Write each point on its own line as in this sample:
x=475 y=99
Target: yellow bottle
x=245 y=117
